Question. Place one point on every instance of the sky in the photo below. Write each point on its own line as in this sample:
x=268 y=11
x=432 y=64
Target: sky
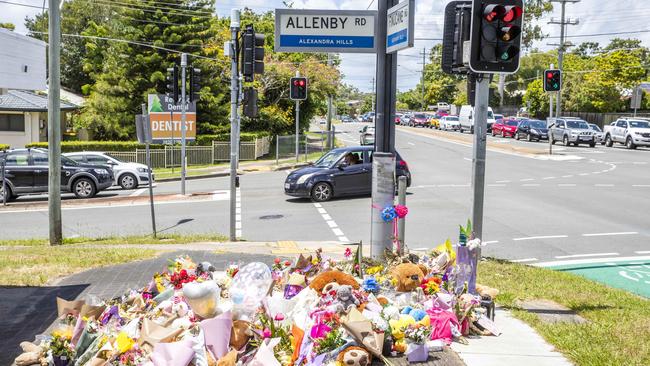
x=595 y=17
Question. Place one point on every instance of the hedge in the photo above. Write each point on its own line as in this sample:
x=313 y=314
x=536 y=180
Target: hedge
x=72 y=146
x=205 y=140
x=4 y=147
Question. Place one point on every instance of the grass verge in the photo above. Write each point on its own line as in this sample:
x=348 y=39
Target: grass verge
x=136 y=239
x=36 y=266
x=619 y=322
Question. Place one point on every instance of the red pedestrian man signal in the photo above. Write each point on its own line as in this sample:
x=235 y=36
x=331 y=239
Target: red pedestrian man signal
x=298 y=88
x=552 y=80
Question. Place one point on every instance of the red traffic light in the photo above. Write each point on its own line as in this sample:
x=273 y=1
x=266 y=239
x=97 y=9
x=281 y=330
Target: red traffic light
x=301 y=83
x=493 y=12
x=549 y=75
x=511 y=13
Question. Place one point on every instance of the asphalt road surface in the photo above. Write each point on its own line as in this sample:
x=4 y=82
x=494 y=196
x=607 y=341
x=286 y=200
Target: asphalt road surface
x=584 y=203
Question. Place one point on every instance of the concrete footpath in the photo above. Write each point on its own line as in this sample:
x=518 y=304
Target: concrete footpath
x=29 y=311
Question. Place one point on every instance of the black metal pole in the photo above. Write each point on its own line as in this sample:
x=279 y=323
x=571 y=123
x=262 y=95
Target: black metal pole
x=386 y=84
x=4 y=184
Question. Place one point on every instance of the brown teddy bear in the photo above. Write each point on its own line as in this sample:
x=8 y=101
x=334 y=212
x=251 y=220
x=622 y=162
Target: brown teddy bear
x=320 y=281
x=354 y=356
x=408 y=276
x=240 y=334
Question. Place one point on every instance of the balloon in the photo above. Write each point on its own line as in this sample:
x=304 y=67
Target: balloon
x=249 y=286
x=388 y=214
x=202 y=297
x=401 y=211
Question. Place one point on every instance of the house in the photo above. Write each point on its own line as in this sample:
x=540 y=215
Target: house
x=23 y=117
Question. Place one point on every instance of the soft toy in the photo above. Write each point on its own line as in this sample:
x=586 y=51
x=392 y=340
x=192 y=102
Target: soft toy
x=354 y=356
x=240 y=334
x=31 y=355
x=408 y=276
x=345 y=300
x=320 y=281
x=486 y=291
x=417 y=314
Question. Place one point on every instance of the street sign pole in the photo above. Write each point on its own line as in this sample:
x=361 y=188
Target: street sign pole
x=54 y=124
x=3 y=163
x=550 y=119
x=478 y=159
x=146 y=127
x=234 y=99
x=183 y=118
x=330 y=140
x=297 y=123
x=383 y=174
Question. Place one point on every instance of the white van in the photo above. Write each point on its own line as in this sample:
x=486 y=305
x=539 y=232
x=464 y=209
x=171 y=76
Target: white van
x=466 y=118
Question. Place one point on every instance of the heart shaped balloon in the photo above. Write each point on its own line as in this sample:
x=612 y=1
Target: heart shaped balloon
x=202 y=297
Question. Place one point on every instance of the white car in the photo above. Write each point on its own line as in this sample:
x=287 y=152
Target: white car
x=631 y=132
x=127 y=175
x=449 y=123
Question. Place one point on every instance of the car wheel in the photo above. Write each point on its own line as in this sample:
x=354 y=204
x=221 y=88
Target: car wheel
x=128 y=181
x=10 y=196
x=321 y=192
x=529 y=138
x=493 y=133
x=552 y=140
x=565 y=140
x=84 y=188
x=608 y=141
x=593 y=144
x=503 y=133
x=629 y=143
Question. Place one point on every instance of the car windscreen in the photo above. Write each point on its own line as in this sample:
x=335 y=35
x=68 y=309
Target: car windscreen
x=639 y=124
x=452 y=118
x=595 y=128
x=490 y=115
x=537 y=124
x=512 y=123
x=577 y=124
x=329 y=159
x=420 y=116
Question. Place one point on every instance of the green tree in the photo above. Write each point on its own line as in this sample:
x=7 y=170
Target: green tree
x=9 y=26
x=535 y=9
x=536 y=98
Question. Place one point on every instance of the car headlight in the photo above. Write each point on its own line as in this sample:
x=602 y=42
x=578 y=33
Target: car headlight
x=638 y=133
x=304 y=178
x=574 y=133
x=534 y=131
x=101 y=171
x=142 y=170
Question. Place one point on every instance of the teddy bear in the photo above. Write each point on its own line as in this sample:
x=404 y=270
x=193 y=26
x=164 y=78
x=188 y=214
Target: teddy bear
x=345 y=300
x=320 y=281
x=354 y=356
x=240 y=334
x=408 y=276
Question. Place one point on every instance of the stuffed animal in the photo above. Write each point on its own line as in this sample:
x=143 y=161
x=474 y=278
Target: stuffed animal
x=486 y=291
x=31 y=355
x=320 y=281
x=205 y=268
x=345 y=300
x=354 y=356
x=408 y=276
x=240 y=334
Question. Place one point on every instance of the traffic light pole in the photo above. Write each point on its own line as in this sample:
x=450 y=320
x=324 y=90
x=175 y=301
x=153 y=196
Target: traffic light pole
x=330 y=138
x=383 y=164
x=479 y=152
x=54 y=124
x=183 y=118
x=298 y=123
x=234 y=99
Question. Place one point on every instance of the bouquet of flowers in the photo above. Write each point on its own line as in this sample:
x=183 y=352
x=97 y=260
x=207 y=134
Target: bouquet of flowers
x=416 y=336
x=431 y=286
x=62 y=350
x=179 y=278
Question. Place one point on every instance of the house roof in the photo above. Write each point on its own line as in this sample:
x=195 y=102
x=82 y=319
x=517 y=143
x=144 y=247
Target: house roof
x=28 y=101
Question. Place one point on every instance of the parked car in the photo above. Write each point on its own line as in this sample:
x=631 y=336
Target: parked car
x=466 y=118
x=532 y=130
x=506 y=127
x=406 y=118
x=419 y=120
x=367 y=136
x=632 y=132
x=340 y=172
x=571 y=130
x=442 y=106
x=26 y=172
x=598 y=133
x=347 y=119
x=398 y=118
x=369 y=117
x=127 y=175
x=449 y=123
x=435 y=119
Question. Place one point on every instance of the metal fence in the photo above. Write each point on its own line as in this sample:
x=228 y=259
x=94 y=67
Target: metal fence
x=310 y=146
x=170 y=156
x=603 y=119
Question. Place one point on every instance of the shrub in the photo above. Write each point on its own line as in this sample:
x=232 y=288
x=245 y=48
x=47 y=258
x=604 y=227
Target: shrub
x=73 y=146
x=4 y=147
x=206 y=140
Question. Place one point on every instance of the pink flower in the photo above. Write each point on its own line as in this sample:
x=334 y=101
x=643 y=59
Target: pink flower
x=320 y=330
x=279 y=317
x=348 y=253
x=266 y=333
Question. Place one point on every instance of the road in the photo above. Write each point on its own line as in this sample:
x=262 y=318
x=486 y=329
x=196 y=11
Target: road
x=585 y=203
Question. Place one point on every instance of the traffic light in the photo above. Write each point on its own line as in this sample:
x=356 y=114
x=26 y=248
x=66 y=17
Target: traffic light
x=552 y=80
x=252 y=55
x=496 y=36
x=172 y=83
x=298 y=88
x=195 y=84
x=250 y=102
x=458 y=19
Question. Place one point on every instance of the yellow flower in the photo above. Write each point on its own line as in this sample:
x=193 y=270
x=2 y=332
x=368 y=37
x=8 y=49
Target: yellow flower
x=375 y=269
x=124 y=342
x=314 y=261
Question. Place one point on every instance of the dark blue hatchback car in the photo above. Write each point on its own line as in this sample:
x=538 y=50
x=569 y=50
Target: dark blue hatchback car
x=340 y=172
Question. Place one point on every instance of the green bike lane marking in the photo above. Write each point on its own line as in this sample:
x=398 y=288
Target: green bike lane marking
x=632 y=275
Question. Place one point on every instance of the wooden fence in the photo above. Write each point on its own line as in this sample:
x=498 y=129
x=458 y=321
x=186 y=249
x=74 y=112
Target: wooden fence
x=170 y=156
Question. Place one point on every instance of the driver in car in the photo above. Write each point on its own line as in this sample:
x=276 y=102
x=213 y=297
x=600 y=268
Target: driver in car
x=351 y=159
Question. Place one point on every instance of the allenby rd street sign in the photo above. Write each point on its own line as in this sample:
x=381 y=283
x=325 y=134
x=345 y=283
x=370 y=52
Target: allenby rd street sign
x=400 y=26
x=165 y=119
x=341 y=31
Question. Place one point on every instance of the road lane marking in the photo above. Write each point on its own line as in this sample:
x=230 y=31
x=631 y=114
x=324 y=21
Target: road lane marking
x=526 y=179
x=541 y=237
x=586 y=255
x=524 y=260
x=642 y=252
x=641 y=185
x=331 y=223
x=137 y=192
x=612 y=234
x=503 y=181
x=570 y=262
x=568 y=176
x=583 y=174
x=496 y=185
x=640 y=162
x=530 y=185
x=547 y=178
x=238 y=221
x=412 y=144
x=220 y=195
x=604 y=185
x=468 y=159
x=491 y=242
x=566 y=185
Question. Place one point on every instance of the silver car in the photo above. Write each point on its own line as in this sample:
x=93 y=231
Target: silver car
x=367 y=136
x=572 y=131
x=127 y=175
x=598 y=133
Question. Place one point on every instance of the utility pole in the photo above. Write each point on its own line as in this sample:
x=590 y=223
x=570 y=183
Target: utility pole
x=563 y=22
x=298 y=123
x=234 y=99
x=145 y=116
x=479 y=147
x=54 y=123
x=330 y=138
x=502 y=87
x=424 y=63
x=374 y=93
x=183 y=118
x=383 y=162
